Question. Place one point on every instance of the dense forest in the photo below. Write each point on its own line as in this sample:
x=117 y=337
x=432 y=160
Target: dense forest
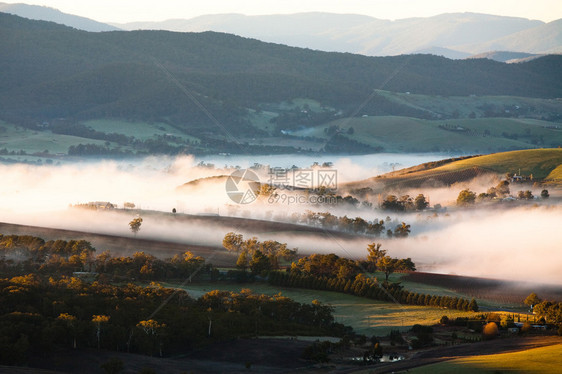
x=51 y=297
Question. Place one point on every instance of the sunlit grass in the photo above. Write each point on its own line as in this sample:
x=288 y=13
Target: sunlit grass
x=539 y=162
x=536 y=360
x=555 y=175
x=366 y=316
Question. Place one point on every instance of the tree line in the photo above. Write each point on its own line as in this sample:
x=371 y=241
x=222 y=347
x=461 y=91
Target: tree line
x=258 y=257
x=405 y=203
x=357 y=225
x=550 y=311
x=22 y=254
x=333 y=273
x=366 y=287
x=467 y=197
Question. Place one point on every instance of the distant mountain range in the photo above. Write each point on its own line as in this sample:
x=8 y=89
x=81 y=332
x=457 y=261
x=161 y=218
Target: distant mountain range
x=43 y=13
x=508 y=57
x=454 y=35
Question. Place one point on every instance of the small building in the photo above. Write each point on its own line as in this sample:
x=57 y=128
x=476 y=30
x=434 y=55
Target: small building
x=102 y=205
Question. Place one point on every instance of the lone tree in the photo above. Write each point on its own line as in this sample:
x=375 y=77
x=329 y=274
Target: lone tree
x=153 y=330
x=389 y=265
x=135 y=225
x=545 y=194
x=70 y=321
x=532 y=300
x=375 y=254
x=259 y=263
x=502 y=189
x=420 y=202
x=525 y=195
x=98 y=320
x=466 y=197
x=233 y=242
x=242 y=262
x=402 y=230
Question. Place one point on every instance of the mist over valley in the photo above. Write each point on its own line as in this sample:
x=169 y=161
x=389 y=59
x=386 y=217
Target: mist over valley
x=279 y=193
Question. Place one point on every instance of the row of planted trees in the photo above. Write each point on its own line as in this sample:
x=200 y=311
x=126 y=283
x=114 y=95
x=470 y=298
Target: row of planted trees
x=333 y=273
x=369 y=288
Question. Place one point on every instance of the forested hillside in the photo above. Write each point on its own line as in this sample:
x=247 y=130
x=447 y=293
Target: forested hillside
x=51 y=71
x=212 y=85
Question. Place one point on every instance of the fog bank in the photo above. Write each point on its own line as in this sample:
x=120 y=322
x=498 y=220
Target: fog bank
x=516 y=243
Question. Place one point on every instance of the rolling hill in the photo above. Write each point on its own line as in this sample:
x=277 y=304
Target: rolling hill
x=542 y=164
x=453 y=35
x=55 y=71
x=506 y=56
x=545 y=38
x=234 y=91
x=453 y=136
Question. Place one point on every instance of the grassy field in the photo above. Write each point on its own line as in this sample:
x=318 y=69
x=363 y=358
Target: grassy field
x=137 y=130
x=15 y=138
x=537 y=360
x=262 y=120
x=463 y=106
x=479 y=135
x=541 y=163
x=538 y=162
x=555 y=175
x=366 y=316
x=441 y=291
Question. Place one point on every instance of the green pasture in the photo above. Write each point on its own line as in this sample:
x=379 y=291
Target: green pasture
x=555 y=175
x=262 y=120
x=138 y=130
x=366 y=316
x=539 y=162
x=463 y=106
x=479 y=135
x=537 y=360
x=15 y=138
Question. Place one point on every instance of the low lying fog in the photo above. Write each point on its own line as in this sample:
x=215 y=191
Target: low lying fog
x=518 y=243
x=151 y=183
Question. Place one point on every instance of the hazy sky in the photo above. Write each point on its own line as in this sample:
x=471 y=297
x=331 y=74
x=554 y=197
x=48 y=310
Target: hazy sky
x=136 y=10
